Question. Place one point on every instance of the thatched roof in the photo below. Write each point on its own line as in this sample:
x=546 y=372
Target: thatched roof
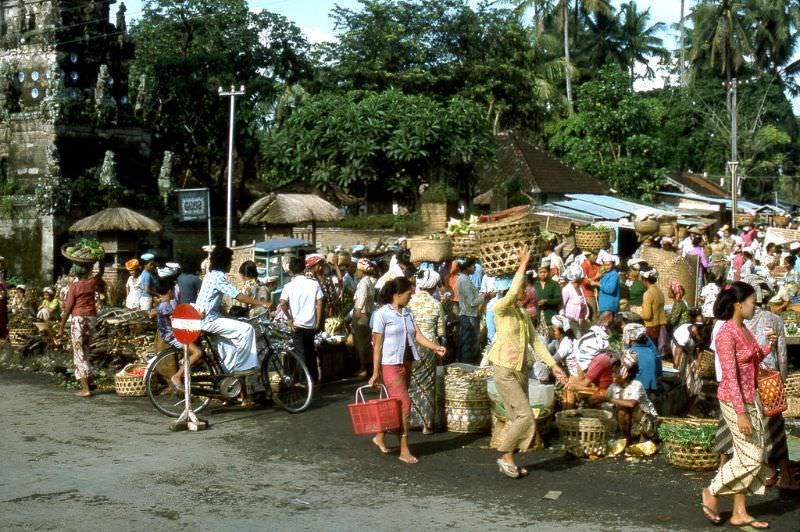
x=116 y=219
x=290 y=209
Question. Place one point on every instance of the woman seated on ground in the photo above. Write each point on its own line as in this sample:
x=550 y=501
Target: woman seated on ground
x=634 y=337
x=634 y=411
x=594 y=381
x=48 y=310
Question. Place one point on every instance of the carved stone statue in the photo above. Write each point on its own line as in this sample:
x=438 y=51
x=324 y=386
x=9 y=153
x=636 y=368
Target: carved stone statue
x=142 y=94
x=53 y=193
x=108 y=172
x=122 y=26
x=22 y=17
x=165 y=183
x=102 y=94
x=51 y=103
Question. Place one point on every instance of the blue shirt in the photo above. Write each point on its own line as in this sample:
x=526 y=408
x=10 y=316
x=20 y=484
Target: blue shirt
x=477 y=275
x=399 y=332
x=649 y=365
x=215 y=287
x=148 y=284
x=490 y=327
x=608 y=300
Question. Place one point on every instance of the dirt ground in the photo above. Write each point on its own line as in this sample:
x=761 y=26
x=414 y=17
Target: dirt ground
x=109 y=463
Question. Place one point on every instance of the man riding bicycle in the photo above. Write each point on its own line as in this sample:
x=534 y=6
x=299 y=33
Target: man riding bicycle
x=236 y=339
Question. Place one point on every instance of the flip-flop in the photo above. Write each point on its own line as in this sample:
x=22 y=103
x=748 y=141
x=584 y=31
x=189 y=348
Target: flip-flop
x=382 y=448
x=413 y=460
x=509 y=470
x=762 y=525
x=712 y=516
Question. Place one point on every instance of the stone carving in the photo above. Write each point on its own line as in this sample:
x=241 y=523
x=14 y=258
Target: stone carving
x=108 y=172
x=142 y=94
x=51 y=104
x=9 y=101
x=122 y=26
x=165 y=177
x=22 y=17
x=102 y=94
x=53 y=193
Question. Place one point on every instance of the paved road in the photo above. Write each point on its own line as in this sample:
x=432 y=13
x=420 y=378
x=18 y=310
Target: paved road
x=108 y=463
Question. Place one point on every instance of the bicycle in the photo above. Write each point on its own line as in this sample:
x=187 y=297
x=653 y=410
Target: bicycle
x=283 y=375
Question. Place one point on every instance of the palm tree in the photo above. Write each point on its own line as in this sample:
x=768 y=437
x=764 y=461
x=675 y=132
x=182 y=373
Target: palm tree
x=773 y=26
x=637 y=40
x=719 y=39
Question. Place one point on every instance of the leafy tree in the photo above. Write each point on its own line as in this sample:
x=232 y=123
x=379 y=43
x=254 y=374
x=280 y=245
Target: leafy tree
x=638 y=41
x=377 y=142
x=720 y=38
x=187 y=50
x=613 y=134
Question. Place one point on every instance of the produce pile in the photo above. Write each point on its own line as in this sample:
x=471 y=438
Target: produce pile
x=85 y=249
x=684 y=434
x=595 y=227
x=461 y=227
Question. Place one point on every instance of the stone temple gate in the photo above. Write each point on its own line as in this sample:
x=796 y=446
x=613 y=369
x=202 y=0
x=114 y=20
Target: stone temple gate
x=64 y=102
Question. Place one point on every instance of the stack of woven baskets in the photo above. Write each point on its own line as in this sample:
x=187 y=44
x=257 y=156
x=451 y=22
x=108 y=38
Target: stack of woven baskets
x=584 y=431
x=792 y=391
x=694 y=449
x=500 y=239
x=467 y=407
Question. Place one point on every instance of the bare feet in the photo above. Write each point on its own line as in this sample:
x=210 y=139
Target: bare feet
x=84 y=393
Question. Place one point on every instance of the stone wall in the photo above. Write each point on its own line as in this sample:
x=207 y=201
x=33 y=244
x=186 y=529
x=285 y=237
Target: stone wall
x=28 y=241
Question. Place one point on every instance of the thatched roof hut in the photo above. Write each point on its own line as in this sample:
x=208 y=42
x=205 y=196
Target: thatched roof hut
x=115 y=219
x=290 y=209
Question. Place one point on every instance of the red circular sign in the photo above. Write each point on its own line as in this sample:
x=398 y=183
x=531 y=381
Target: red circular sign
x=186 y=324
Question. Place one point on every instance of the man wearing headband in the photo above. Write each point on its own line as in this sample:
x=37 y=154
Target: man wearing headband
x=509 y=355
x=364 y=304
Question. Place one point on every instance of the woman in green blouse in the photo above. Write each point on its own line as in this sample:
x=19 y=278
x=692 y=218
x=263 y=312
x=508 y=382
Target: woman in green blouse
x=636 y=289
x=680 y=310
x=548 y=293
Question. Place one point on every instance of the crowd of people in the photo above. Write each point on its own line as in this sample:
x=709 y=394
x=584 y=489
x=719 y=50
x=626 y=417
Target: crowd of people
x=555 y=320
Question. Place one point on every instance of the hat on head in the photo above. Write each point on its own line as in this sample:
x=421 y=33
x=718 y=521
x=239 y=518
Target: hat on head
x=132 y=264
x=148 y=257
x=427 y=279
x=503 y=283
x=313 y=259
x=208 y=249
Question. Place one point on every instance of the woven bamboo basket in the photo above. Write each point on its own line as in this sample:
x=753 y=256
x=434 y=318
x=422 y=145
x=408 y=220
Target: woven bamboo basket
x=428 y=250
x=588 y=240
x=705 y=364
x=520 y=226
x=434 y=216
x=695 y=457
x=671 y=266
x=666 y=229
x=646 y=227
x=19 y=336
x=127 y=385
x=500 y=258
x=466 y=245
x=780 y=221
x=743 y=218
x=471 y=417
x=683 y=231
x=792 y=385
x=465 y=383
x=584 y=431
x=794 y=407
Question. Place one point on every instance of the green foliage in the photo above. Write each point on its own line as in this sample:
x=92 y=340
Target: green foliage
x=439 y=193
x=189 y=49
x=381 y=142
x=613 y=135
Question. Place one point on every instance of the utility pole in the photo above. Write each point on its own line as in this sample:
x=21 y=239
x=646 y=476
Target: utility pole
x=233 y=93
x=733 y=162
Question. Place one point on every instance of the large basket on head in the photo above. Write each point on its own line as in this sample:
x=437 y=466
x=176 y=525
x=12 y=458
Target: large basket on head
x=646 y=227
x=430 y=250
x=466 y=245
x=521 y=226
x=666 y=229
x=689 y=453
x=129 y=382
x=743 y=218
x=500 y=258
x=433 y=216
x=780 y=220
x=82 y=261
x=590 y=239
x=705 y=364
x=584 y=431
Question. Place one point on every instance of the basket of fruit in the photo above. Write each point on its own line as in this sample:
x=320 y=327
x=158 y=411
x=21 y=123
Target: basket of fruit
x=130 y=381
x=84 y=252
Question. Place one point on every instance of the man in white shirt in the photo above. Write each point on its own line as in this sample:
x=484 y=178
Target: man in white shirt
x=302 y=301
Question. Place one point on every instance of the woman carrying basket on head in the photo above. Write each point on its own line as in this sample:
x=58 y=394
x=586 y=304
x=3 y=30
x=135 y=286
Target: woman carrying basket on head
x=395 y=336
x=512 y=358
x=739 y=355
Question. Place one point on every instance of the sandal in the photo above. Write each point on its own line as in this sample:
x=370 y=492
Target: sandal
x=412 y=460
x=509 y=470
x=382 y=448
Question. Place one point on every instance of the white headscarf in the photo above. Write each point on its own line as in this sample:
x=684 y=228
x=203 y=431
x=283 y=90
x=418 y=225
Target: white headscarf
x=632 y=332
x=590 y=344
x=427 y=279
x=574 y=273
x=562 y=322
x=393 y=273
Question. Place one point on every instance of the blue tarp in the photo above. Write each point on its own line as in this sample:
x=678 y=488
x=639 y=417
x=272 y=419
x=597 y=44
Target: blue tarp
x=280 y=243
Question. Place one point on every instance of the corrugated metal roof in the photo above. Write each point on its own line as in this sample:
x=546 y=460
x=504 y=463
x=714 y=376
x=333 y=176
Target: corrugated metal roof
x=741 y=204
x=593 y=209
x=625 y=206
x=567 y=212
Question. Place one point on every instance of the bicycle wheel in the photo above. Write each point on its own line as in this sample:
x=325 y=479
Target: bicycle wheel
x=167 y=399
x=288 y=378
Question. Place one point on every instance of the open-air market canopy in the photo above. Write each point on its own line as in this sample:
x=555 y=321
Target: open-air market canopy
x=290 y=209
x=115 y=219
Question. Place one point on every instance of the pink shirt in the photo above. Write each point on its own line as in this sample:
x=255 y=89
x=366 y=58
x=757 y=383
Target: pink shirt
x=575 y=307
x=739 y=358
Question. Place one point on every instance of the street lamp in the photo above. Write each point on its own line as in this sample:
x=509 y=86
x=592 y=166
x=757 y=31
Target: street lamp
x=233 y=93
x=732 y=167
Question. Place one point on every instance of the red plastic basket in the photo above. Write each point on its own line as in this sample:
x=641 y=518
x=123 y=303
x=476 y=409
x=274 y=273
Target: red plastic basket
x=770 y=390
x=377 y=415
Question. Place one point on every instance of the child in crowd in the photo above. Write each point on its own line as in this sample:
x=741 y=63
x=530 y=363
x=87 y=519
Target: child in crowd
x=163 y=313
